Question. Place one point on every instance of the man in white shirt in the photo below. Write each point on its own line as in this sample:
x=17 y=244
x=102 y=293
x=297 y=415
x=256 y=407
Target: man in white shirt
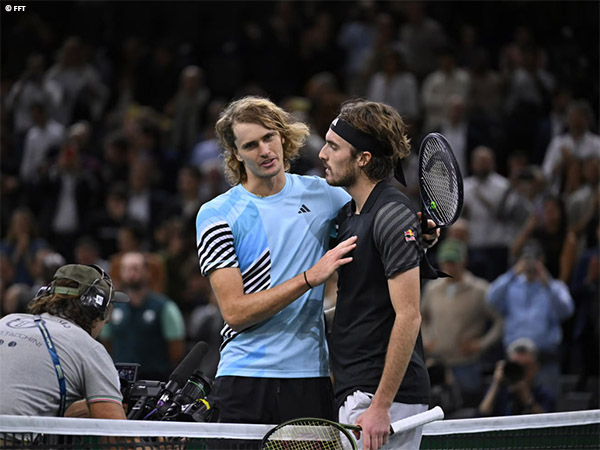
x=440 y=85
x=41 y=137
x=577 y=143
x=483 y=192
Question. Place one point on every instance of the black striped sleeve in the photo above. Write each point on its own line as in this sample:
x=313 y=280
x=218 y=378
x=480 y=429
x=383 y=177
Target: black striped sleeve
x=215 y=248
x=398 y=238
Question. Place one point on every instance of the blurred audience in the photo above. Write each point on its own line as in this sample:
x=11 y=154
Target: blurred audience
x=533 y=304
x=439 y=86
x=576 y=144
x=395 y=86
x=483 y=192
x=32 y=88
x=130 y=238
x=149 y=330
x=550 y=228
x=21 y=244
x=422 y=35
x=584 y=352
x=187 y=109
x=100 y=130
x=84 y=95
x=67 y=194
x=15 y=299
x=43 y=137
x=458 y=324
x=514 y=389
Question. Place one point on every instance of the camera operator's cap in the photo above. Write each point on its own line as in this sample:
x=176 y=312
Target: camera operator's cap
x=521 y=345
x=87 y=276
x=452 y=250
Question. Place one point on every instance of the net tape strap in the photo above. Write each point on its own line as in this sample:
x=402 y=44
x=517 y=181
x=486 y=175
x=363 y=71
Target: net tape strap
x=107 y=427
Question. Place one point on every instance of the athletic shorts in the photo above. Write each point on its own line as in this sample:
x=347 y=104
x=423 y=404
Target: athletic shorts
x=271 y=400
x=358 y=402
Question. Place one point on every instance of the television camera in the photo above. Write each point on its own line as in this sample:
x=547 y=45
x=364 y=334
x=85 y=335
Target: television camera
x=183 y=398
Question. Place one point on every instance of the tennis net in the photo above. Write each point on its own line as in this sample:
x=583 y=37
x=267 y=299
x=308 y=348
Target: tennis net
x=570 y=430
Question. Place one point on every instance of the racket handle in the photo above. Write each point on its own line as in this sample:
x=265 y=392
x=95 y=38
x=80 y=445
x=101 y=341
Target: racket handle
x=417 y=420
x=424 y=228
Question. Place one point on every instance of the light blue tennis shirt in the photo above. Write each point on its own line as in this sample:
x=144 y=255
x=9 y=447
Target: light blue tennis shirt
x=272 y=239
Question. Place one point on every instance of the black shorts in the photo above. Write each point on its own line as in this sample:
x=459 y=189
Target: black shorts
x=271 y=400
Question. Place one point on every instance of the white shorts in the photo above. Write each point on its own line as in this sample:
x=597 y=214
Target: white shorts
x=359 y=401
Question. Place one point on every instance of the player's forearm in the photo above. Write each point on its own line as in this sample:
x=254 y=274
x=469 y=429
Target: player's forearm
x=402 y=342
x=246 y=310
x=243 y=310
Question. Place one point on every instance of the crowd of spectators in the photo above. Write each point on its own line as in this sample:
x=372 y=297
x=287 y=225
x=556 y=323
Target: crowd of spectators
x=108 y=149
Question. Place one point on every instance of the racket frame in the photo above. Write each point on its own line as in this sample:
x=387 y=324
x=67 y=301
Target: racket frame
x=426 y=213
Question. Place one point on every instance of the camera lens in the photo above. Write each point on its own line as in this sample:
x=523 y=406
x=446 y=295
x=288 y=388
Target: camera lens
x=513 y=372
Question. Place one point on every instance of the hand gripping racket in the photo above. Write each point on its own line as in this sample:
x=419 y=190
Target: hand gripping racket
x=321 y=434
x=440 y=183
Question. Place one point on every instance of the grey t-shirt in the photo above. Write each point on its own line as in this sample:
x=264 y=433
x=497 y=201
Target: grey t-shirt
x=28 y=381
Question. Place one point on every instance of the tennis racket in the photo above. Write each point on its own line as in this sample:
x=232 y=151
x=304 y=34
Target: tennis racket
x=321 y=434
x=440 y=183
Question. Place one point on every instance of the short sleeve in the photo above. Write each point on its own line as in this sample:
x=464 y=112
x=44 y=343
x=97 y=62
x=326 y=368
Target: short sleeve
x=172 y=322
x=397 y=237
x=101 y=377
x=215 y=245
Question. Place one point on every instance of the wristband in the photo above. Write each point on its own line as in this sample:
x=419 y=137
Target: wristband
x=306 y=281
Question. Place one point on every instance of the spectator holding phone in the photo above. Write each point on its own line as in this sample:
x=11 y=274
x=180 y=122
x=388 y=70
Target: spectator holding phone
x=533 y=305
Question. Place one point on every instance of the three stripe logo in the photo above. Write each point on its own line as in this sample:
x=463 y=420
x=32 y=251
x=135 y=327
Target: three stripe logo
x=303 y=209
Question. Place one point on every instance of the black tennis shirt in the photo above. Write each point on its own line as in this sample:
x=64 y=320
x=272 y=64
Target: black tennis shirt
x=388 y=243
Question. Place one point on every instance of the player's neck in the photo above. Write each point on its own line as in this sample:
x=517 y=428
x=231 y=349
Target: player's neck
x=265 y=187
x=360 y=191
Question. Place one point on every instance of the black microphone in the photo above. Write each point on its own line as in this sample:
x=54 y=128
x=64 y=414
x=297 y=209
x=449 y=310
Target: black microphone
x=183 y=371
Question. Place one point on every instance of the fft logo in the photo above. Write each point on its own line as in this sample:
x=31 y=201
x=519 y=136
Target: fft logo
x=16 y=8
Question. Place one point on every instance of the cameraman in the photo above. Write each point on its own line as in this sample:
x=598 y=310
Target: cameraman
x=513 y=390
x=50 y=357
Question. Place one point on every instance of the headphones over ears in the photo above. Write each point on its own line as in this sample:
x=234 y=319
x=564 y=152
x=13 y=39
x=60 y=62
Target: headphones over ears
x=93 y=298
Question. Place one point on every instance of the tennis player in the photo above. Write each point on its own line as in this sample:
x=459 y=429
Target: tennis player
x=376 y=349
x=263 y=246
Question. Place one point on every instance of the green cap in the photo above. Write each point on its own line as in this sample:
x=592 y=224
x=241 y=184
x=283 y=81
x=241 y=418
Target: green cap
x=86 y=276
x=452 y=250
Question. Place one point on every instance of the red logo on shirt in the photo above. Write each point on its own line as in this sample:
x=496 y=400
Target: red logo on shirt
x=409 y=235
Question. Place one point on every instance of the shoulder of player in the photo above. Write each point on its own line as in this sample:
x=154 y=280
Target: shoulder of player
x=398 y=216
x=310 y=182
x=214 y=211
x=393 y=200
x=217 y=202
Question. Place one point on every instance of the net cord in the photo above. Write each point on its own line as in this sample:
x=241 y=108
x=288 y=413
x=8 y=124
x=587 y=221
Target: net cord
x=522 y=422
x=108 y=427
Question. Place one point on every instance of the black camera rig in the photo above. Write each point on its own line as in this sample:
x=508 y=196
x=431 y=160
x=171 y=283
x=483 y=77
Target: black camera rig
x=183 y=398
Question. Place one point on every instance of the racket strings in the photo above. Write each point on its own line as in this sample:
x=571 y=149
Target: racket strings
x=440 y=182
x=308 y=435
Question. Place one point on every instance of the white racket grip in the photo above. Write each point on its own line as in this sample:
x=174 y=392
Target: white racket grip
x=417 y=420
